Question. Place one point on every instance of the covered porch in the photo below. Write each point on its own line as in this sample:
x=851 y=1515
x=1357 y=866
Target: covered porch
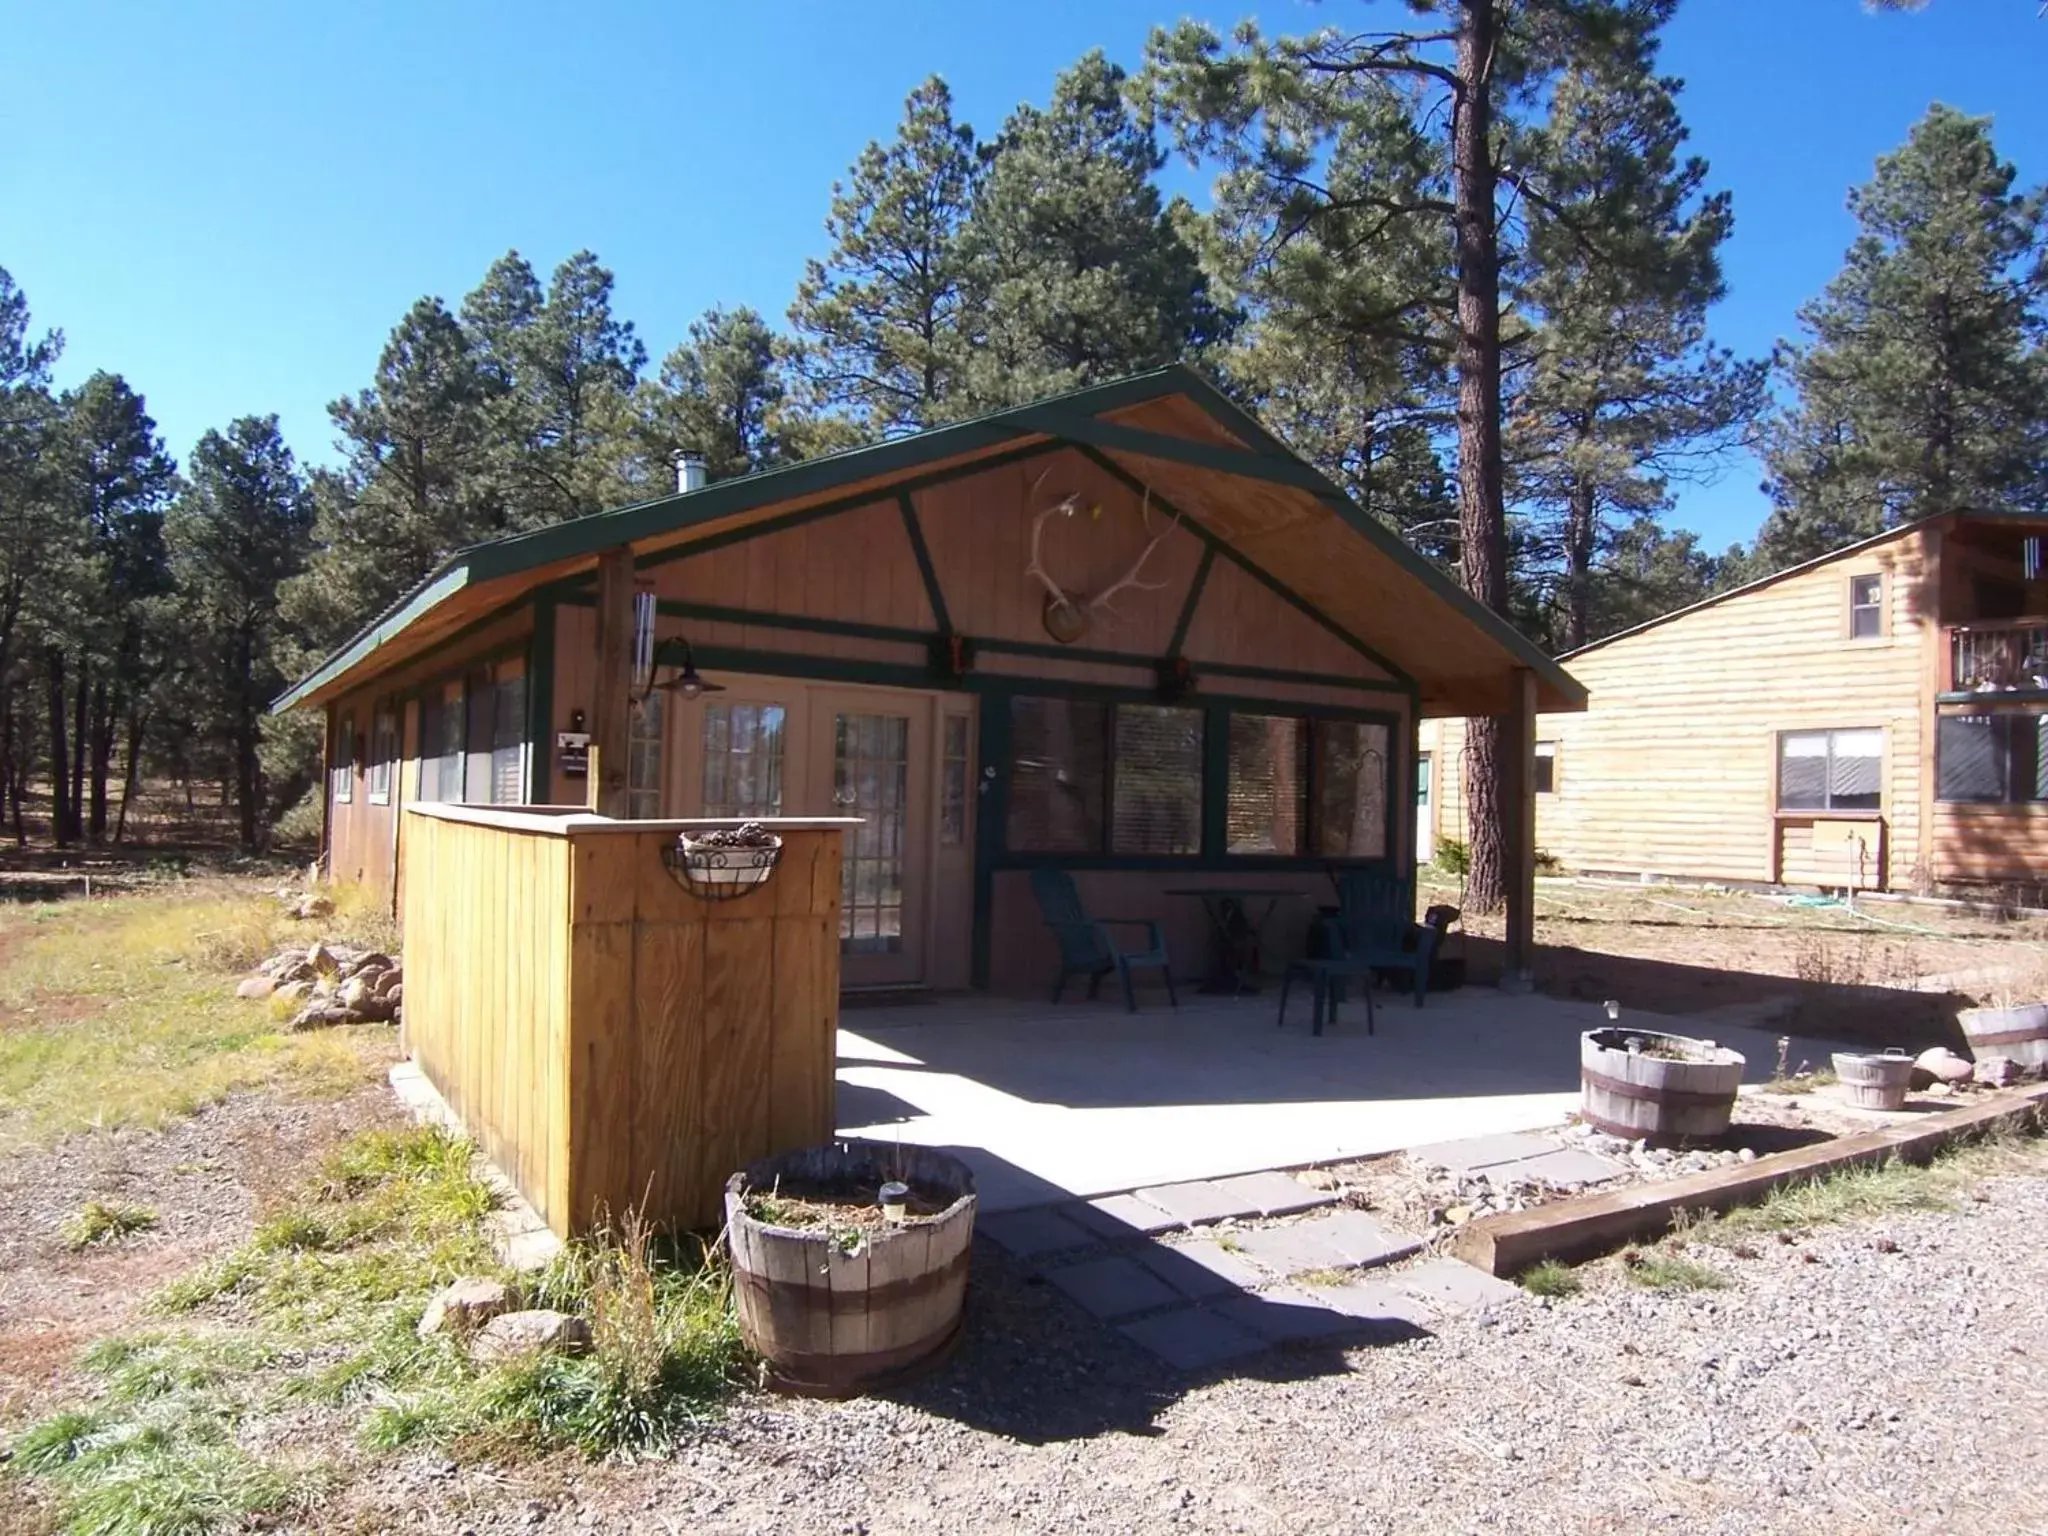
x=1048 y=1103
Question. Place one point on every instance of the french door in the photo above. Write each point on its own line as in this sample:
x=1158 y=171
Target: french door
x=869 y=758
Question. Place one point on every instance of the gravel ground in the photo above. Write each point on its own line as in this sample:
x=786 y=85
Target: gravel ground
x=1888 y=1376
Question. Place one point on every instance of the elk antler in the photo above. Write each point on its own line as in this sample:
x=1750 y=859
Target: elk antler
x=1036 y=566
x=1099 y=603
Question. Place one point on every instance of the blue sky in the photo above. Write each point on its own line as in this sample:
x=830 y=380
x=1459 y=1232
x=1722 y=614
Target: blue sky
x=232 y=203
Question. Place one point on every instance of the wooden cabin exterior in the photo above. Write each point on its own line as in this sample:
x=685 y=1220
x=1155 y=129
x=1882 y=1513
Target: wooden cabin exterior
x=1254 y=659
x=1876 y=719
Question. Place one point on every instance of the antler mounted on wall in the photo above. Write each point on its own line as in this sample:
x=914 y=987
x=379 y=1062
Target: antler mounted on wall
x=1068 y=616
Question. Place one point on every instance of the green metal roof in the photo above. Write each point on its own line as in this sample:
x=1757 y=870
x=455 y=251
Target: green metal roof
x=588 y=536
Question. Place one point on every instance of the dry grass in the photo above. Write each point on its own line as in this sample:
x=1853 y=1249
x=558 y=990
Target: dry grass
x=121 y=1012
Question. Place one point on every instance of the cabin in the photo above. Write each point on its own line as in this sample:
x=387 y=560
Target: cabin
x=1124 y=631
x=1876 y=719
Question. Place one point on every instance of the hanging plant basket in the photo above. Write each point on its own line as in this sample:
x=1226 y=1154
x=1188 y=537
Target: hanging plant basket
x=726 y=863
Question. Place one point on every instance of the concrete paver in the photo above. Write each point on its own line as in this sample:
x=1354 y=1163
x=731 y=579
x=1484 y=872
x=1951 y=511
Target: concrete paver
x=1376 y=1302
x=1363 y=1239
x=1034 y=1234
x=1291 y=1249
x=1476 y=1152
x=1286 y=1315
x=1273 y=1194
x=1194 y=1203
x=1201 y=1269
x=1567 y=1168
x=1119 y=1218
x=1193 y=1338
x=1113 y=1287
x=1452 y=1285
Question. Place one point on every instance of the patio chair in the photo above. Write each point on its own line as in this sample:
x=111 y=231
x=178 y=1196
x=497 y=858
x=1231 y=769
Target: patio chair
x=1372 y=935
x=1086 y=948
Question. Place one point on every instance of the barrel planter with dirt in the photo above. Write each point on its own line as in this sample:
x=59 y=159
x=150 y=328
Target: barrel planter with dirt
x=2020 y=1034
x=845 y=1283
x=1874 y=1082
x=1664 y=1089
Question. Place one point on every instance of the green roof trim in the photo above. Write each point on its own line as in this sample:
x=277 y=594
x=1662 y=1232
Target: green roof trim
x=1268 y=458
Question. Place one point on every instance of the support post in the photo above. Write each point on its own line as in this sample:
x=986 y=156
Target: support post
x=611 y=701
x=1518 y=811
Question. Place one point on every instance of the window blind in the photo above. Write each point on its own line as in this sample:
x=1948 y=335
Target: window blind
x=1156 y=804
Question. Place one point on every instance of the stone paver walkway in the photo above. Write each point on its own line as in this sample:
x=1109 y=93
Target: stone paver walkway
x=1300 y=1275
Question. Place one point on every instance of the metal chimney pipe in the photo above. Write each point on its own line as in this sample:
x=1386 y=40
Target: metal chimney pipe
x=691 y=474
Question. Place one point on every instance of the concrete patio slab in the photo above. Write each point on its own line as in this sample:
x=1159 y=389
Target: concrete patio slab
x=1273 y=1194
x=1195 y=1203
x=1120 y=1218
x=1113 y=1287
x=1285 y=1315
x=1035 y=1233
x=1477 y=1152
x=1201 y=1269
x=1193 y=1339
x=1047 y=1103
x=1453 y=1285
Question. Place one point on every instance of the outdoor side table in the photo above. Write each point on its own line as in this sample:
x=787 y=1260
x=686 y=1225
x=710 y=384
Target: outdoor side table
x=1238 y=921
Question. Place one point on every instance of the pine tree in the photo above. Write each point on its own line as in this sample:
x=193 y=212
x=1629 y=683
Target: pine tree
x=878 y=321
x=1620 y=392
x=724 y=392
x=242 y=528
x=1922 y=386
x=1077 y=271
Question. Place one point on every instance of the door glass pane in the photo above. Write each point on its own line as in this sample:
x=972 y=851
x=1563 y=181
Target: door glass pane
x=953 y=783
x=743 y=759
x=871 y=780
x=643 y=758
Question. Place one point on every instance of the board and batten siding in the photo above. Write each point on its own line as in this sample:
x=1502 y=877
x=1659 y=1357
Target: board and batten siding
x=1672 y=768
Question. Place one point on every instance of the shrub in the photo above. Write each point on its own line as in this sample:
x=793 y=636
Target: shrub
x=102 y=1221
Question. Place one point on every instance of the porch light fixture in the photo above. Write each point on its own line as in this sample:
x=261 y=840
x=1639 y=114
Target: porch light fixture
x=675 y=657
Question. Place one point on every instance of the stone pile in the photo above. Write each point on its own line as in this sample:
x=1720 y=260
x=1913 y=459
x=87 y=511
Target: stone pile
x=1648 y=1162
x=486 y=1315
x=328 y=983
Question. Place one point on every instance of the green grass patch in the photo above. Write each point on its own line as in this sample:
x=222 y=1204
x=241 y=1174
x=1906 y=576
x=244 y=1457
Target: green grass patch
x=318 y=1313
x=121 y=1012
x=1656 y=1271
x=1550 y=1278
x=105 y=1221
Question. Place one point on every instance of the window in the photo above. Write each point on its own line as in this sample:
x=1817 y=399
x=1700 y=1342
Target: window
x=441 y=719
x=1268 y=786
x=953 y=774
x=383 y=753
x=1156 y=781
x=508 y=741
x=1546 y=767
x=643 y=757
x=1866 y=607
x=1350 y=761
x=1830 y=770
x=342 y=772
x=1424 y=761
x=1991 y=759
x=743 y=759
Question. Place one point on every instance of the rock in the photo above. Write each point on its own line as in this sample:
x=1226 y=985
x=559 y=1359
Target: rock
x=320 y=957
x=1943 y=1065
x=323 y=1015
x=293 y=992
x=514 y=1335
x=256 y=988
x=1458 y=1215
x=463 y=1306
x=1996 y=1071
x=389 y=981
x=1746 y=1155
x=1314 y=1178
x=354 y=993
x=311 y=907
x=368 y=960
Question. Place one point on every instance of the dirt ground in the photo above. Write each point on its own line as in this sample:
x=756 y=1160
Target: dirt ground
x=1881 y=973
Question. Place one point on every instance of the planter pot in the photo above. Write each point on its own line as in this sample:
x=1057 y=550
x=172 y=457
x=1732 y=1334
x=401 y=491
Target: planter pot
x=2020 y=1034
x=836 y=1313
x=1874 y=1082
x=1663 y=1089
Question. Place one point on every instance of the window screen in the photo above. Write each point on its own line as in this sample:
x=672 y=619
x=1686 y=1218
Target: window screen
x=1866 y=607
x=508 y=742
x=1991 y=759
x=343 y=771
x=1350 y=789
x=1156 y=778
x=1830 y=770
x=1268 y=785
x=383 y=754
x=441 y=745
x=644 y=757
x=1058 y=777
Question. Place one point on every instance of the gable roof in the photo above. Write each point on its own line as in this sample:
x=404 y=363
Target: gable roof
x=1169 y=430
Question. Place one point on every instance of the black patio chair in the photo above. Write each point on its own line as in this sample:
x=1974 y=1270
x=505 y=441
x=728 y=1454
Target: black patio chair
x=1086 y=948
x=1371 y=936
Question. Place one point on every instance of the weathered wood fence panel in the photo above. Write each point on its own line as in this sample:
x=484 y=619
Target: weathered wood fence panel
x=612 y=1040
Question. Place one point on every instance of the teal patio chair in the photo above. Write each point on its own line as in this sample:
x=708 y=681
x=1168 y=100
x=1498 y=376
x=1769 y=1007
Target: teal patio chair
x=1372 y=934
x=1086 y=948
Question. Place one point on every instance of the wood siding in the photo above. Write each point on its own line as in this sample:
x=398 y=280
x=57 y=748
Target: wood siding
x=1672 y=769
x=612 y=1040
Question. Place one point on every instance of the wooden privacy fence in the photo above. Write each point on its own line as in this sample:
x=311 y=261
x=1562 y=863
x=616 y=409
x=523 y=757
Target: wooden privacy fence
x=610 y=1039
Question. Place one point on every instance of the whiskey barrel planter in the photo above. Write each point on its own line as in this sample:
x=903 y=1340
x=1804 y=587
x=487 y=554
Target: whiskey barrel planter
x=1654 y=1087
x=1874 y=1082
x=835 y=1311
x=2020 y=1034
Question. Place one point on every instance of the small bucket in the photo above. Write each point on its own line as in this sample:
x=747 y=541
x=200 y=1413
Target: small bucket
x=1874 y=1082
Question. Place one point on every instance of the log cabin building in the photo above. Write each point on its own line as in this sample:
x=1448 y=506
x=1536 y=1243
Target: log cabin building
x=1873 y=719
x=1124 y=631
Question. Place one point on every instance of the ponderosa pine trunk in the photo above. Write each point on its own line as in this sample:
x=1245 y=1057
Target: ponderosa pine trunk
x=131 y=778
x=81 y=697
x=1579 y=538
x=1482 y=514
x=60 y=758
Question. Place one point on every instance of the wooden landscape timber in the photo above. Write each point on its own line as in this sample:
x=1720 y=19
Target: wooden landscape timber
x=1595 y=1224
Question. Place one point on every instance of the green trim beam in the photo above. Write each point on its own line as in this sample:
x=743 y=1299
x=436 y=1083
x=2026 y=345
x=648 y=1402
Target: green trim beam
x=922 y=551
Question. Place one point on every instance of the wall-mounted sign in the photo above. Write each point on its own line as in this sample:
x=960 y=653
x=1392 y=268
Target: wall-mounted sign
x=572 y=748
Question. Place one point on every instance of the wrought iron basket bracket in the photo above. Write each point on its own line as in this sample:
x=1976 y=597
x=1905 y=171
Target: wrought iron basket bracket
x=720 y=874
